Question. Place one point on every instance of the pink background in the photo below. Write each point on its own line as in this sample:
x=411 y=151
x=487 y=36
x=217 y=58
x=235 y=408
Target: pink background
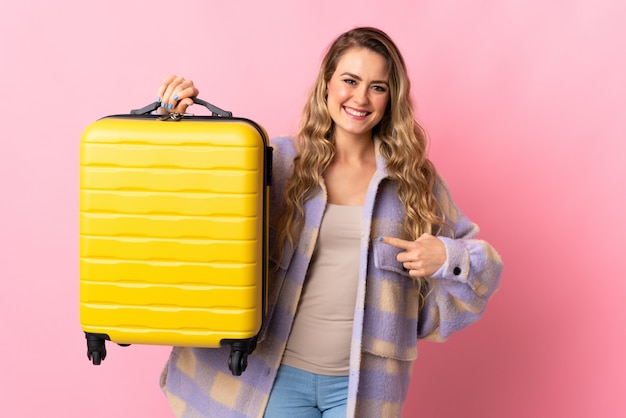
x=524 y=103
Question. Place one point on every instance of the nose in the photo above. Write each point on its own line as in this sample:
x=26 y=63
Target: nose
x=361 y=95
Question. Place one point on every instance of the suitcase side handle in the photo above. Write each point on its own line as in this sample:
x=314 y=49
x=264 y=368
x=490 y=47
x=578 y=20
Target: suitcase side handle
x=215 y=111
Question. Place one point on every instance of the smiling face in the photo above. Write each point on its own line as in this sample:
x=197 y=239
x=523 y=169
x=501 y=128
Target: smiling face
x=358 y=93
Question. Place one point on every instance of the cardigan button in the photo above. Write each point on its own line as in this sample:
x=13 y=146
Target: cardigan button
x=456 y=271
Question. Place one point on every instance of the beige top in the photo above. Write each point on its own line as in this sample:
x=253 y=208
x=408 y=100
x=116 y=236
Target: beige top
x=322 y=331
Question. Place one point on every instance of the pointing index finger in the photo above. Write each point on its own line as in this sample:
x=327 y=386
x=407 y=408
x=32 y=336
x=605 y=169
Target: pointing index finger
x=396 y=242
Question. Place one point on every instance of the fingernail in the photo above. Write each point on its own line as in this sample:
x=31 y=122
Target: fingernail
x=163 y=104
x=158 y=100
x=170 y=106
x=381 y=239
x=175 y=97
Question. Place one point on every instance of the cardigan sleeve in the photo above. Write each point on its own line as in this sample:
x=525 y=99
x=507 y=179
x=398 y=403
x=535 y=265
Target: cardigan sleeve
x=458 y=292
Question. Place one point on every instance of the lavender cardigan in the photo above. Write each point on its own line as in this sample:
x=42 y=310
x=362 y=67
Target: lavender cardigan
x=387 y=322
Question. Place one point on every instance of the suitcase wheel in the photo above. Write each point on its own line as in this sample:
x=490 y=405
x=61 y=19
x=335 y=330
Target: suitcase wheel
x=239 y=351
x=96 y=349
x=96 y=357
x=238 y=362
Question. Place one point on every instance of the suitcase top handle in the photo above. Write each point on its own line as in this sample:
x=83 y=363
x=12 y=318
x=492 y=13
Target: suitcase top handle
x=215 y=111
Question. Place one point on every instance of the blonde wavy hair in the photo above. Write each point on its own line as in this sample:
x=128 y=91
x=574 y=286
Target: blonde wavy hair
x=403 y=144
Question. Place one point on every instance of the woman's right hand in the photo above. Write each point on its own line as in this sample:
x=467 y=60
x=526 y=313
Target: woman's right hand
x=176 y=94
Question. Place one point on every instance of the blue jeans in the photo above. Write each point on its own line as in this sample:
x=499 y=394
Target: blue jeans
x=301 y=394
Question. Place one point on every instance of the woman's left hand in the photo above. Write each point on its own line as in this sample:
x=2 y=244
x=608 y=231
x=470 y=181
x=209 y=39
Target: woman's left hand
x=176 y=94
x=422 y=257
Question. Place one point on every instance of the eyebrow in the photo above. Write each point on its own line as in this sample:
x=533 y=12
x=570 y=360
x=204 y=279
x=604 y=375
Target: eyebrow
x=360 y=79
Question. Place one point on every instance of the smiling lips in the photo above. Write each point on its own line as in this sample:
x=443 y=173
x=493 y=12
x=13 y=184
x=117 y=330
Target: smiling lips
x=354 y=112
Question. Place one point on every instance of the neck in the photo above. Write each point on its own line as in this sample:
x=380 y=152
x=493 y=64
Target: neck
x=354 y=148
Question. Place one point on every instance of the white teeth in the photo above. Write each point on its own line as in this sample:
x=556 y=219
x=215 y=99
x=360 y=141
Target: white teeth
x=356 y=113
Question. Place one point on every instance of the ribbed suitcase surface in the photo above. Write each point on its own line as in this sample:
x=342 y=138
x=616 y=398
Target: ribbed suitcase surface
x=173 y=230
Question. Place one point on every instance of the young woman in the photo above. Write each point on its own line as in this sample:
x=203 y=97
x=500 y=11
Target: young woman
x=369 y=254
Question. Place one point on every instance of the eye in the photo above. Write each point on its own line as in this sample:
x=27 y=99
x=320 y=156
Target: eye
x=380 y=89
x=350 y=81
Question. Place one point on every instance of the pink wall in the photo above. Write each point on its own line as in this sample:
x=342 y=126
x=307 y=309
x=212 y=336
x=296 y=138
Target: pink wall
x=524 y=104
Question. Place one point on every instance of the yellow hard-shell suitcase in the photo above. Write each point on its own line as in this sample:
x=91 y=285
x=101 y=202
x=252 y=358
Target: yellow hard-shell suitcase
x=173 y=231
